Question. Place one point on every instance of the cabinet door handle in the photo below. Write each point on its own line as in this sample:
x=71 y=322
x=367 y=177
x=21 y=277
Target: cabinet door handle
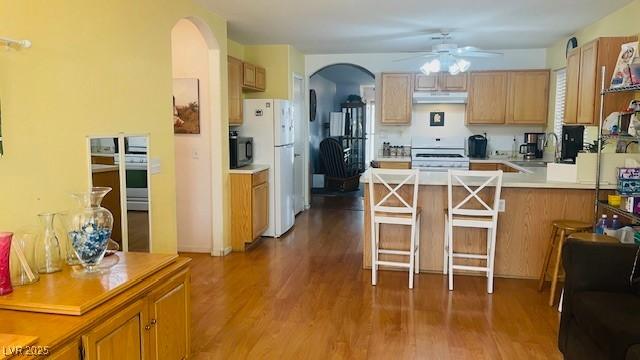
x=153 y=321
x=147 y=327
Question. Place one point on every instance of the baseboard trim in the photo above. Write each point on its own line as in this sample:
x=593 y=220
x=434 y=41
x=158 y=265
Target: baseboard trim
x=194 y=249
x=224 y=252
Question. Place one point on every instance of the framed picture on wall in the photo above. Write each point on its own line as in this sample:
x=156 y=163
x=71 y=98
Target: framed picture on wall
x=436 y=118
x=186 y=106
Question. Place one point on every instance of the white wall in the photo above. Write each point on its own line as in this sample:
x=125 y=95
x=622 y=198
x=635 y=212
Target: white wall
x=500 y=137
x=190 y=56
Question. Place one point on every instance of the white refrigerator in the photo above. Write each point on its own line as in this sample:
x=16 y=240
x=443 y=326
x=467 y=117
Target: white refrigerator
x=270 y=124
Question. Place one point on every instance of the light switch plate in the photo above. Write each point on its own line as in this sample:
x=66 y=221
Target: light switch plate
x=154 y=166
x=501 y=205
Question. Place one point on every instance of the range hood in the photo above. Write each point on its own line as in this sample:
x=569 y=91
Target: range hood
x=439 y=97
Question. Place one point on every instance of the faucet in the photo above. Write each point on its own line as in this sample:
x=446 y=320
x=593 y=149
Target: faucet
x=556 y=152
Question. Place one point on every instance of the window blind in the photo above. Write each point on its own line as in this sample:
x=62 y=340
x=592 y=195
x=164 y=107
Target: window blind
x=561 y=89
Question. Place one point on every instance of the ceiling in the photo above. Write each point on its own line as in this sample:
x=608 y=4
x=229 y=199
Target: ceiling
x=357 y=26
x=346 y=74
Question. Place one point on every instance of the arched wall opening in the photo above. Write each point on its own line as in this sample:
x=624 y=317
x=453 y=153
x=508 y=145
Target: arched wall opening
x=335 y=85
x=198 y=154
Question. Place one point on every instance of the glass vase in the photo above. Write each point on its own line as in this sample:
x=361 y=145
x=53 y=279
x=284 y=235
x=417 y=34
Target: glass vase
x=22 y=262
x=5 y=251
x=47 y=252
x=70 y=256
x=90 y=228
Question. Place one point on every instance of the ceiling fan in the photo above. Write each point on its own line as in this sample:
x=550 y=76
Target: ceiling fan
x=450 y=56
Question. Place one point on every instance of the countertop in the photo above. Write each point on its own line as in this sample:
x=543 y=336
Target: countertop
x=249 y=169
x=394 y=158
x=531 y=177
x=99 y=168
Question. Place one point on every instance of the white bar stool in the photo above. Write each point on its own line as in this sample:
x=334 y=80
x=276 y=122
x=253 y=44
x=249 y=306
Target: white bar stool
x=394 y=210
x=483 y=216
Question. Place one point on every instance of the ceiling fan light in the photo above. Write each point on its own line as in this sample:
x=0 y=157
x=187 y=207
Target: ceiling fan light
x=425 y=68
x=434 y=66
x=463 y=65
x=454 y=69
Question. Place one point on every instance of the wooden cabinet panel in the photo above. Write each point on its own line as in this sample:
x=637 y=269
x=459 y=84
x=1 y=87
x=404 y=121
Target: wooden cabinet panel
x=507 y=168
x=260 y=209
x=170 y=314
x=587 y=84
x=235 y=70
x=67 y=352
x=483 y=166
x=249 y=75
x=123 y=336
x=394 y=164
x=261 y=79
x=487 y=102
x=426 y=82
x=572 y=89
x=448 y=82
x=397 y=93
x=250 y=210
x=528 y=97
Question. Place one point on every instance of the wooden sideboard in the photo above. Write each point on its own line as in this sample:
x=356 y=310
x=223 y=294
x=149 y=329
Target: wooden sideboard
x=147 y=316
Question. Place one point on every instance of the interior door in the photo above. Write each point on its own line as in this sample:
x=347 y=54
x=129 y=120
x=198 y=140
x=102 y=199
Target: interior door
x=299 y=143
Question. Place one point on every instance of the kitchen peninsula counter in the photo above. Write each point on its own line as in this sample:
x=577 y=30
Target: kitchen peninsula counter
x=524 y=228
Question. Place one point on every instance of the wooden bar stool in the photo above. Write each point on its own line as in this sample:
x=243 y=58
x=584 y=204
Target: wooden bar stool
x=565 y=227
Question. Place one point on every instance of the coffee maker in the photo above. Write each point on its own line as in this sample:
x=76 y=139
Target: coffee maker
x=533 y=147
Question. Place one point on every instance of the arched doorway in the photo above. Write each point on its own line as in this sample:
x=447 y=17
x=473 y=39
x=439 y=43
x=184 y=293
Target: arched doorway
x=345 y=110
x=198 y=149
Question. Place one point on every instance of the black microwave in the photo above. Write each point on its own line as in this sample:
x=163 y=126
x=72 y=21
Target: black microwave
x=240 y=151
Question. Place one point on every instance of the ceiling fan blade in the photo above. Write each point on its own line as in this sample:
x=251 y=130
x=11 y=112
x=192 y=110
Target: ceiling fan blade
x=472 y=51
x=421 y=56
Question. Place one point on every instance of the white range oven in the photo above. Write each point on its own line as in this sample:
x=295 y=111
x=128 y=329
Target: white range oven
x=438 y=154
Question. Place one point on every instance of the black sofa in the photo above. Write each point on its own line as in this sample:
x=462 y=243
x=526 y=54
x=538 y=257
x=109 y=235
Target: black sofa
x=601 y=307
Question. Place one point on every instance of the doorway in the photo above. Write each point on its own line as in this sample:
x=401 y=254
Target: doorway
x=300 y=140
x=344 y=118
x=199 y=139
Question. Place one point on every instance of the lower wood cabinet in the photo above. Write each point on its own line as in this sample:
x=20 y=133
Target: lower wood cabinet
x=249 y=207
x=394 y=164
x=492 y=167
x=156 y=326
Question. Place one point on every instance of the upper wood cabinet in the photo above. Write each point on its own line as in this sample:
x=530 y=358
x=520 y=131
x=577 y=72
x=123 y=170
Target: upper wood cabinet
x=424 y=82
x=528 y=102
x=572 y=91
x=235 y=70
x=397 y=98
x=487 y=102
x=440 y=82
x=584 y=79
x=254 y=78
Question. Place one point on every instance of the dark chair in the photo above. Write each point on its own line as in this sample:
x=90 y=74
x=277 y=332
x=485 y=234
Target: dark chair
x=601 y=307
x=338 y=176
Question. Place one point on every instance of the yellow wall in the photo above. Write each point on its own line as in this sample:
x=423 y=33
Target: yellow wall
x=622 y=22
x=96 y=67
x=235 y=49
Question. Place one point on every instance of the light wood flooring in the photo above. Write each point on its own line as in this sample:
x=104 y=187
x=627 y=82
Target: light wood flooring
x=306 y=296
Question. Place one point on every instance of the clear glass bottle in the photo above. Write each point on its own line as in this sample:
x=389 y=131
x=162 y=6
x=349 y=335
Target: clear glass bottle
x=47 y=253
x=70 y=256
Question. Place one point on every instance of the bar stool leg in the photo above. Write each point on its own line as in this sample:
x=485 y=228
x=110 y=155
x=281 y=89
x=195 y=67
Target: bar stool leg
x=374 y=252
x=412 y=258
x=450 y=253
x=556 y=269
x=547 y=257
x=491 y=264
x=445 y=259
x=417 y=254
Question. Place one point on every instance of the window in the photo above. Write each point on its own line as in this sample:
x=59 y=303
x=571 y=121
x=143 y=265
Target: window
x=561 y=88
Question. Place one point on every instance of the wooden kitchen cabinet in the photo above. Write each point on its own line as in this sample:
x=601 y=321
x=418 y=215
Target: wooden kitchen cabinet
x=572 y=87
x=235 y=70
x=584 y=79
x=250 y=210
x=424 y=82
x=261 y=78
x=528 y=102
x=254 y=78
x=440 y=82
x=394 y=164
x=397 y=98
x=170 y=319
x=487 y=102
x=483 y=166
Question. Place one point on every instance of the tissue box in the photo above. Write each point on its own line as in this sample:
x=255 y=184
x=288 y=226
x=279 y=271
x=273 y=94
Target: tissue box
x=629 y=173
x=629 y=187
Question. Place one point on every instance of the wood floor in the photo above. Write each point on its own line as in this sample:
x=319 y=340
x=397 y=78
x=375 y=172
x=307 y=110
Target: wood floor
x=306 y=296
